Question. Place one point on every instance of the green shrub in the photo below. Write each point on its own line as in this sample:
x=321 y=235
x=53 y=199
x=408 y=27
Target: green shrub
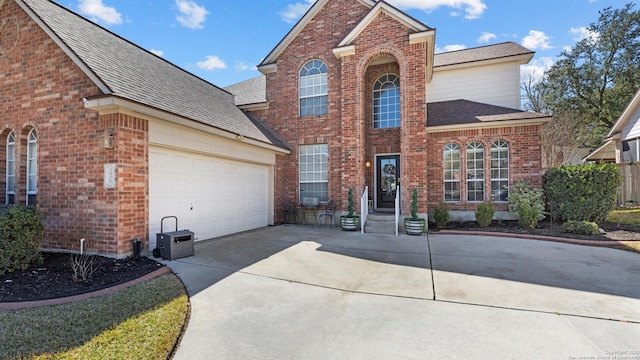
x=350 y=203
x=526 y=204
x=582 y=192
x=441 y=215
x=484 y=214
x=21 y=231
x=580 y=227
x=414 y=205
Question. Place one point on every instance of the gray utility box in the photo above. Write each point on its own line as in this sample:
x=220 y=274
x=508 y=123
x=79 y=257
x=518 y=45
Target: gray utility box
x=174 y=244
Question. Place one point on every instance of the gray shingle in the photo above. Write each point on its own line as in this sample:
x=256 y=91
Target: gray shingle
x=135 y=74
x=252 y=91
x=489 y=52
x=458 y=112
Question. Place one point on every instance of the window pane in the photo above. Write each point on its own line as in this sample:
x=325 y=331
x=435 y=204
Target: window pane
x=313 y=89
x=386 y=102
x=313 y=175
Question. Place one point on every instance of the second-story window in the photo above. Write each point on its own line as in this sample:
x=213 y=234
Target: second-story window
x=386 y=102
x=313 y=88
x=11 y=168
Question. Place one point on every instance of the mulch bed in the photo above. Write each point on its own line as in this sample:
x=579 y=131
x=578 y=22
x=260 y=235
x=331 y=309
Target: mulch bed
x=612 y=231
x=54 y=277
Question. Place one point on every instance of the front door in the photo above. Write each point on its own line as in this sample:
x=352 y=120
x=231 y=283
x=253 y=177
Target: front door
x=388 y=169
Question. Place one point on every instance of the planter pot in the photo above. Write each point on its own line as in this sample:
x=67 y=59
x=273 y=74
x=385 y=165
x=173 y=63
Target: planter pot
x=414 y=227
x=349 y=223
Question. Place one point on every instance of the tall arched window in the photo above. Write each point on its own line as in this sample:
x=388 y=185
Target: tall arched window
x=451 y=162
x=475 y=172
x=11 y=169
x=500 y=171
x=386 y=102
x=32 y=168
x=313 y=90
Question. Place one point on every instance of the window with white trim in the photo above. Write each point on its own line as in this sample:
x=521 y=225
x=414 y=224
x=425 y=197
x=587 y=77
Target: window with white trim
x=499 y=171
x=312 y=86
x=11 y=169
x=451 y=163
x=32 y=168
x=475 y=172
x=386 y=102
x=314 y=171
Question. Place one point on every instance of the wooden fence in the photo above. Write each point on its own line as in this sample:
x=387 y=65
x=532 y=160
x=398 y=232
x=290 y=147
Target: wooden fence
x=630 y=188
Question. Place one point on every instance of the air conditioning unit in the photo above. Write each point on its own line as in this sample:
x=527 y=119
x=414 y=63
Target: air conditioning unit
x=174 y=244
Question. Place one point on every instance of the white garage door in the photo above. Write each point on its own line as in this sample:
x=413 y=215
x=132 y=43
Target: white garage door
x=210 y=196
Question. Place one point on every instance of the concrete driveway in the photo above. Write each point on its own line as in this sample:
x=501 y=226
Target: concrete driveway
x=303 y=293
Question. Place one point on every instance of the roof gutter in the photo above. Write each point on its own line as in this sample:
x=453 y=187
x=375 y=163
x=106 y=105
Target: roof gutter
x=489 y=124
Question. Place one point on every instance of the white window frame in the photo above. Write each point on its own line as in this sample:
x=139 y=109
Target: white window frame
x=313 y=172
x=500 y=174
x=32 y=166
x=475 y=172
x=386 y=102
x=449 y=170
x=10 y=191
x=313 y=89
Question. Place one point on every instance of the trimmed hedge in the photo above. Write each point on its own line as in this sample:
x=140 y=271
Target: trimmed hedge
x=484 y=214
x=582 y=192
x=581 y=227
x=526 y=204
x=21 y=231
x=441 y=215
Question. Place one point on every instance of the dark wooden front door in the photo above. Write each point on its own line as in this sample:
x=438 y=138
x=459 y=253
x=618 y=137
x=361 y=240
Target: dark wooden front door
x=388 y=170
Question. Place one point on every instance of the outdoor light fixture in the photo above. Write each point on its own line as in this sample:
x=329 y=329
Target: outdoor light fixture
x=367 y=164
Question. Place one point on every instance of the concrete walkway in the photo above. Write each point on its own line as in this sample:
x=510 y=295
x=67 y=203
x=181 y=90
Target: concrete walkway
x=303 y=293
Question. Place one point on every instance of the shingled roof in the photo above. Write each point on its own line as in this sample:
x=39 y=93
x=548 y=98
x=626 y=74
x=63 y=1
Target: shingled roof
x=483 y=53
x=465 y=112
x=125 y=70
x=252 y=91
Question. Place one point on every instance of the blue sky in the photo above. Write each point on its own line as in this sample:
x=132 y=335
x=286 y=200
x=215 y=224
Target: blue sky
x=223 y=41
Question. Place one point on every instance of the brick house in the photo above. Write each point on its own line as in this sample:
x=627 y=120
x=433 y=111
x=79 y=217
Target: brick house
x=357 y=92
x=106 y=138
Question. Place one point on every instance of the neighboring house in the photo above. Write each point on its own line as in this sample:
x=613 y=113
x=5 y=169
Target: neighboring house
x=622 y=147
x=106 y=138
x=357 y=93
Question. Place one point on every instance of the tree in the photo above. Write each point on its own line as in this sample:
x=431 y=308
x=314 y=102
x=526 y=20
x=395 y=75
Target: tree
x=596 y=78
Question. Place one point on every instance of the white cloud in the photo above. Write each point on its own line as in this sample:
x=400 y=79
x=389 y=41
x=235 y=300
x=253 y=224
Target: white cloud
x=472 y=8
x=98 y=11
x=452 y=47
x=295 y=11
x=212 y=63
x=536 y=40
x=582 y=33
x=536 y=68
x=242 y=66
x=191 y=14
x=485 y=37
x=157 y=52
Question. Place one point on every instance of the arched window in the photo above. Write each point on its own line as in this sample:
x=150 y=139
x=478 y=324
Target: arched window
x=32 y=168
x=11 y=169
x=386 y=102
x=475 y=172
x=451 y=162
x=313 y=88
x=500 y=171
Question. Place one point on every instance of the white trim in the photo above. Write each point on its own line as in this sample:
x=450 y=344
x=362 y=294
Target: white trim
x=341 y=52
x=268 y=68
x=625 y=116
x=255 y=106
x=488 y=125
x=521 y=59
x=422 y=37
x=67 y=50
x=113 y=105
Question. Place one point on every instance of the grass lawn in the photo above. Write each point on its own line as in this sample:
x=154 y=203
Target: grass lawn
x=141 y=322
x=630 y=216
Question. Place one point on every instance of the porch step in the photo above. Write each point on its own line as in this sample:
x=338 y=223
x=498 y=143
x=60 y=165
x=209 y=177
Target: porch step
x=380 y=223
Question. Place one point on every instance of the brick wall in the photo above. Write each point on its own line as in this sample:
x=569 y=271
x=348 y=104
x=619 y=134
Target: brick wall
x=524 y=160
x=347 y=128
x=42 y=89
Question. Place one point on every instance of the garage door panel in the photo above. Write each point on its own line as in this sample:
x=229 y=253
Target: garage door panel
x=211 y=196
